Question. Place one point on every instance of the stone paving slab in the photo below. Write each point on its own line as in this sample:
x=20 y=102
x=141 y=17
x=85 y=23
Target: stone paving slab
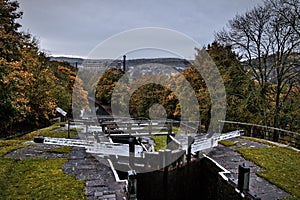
x=230 y=159
x=100 y=180
x=36 y=151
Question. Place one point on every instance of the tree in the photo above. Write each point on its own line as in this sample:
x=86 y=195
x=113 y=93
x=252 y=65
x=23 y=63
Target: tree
x=268 y=42
x=30 y=85
x=192 y=75
x=11 y=41
x=107 y=83
x=151 y=94
x=68 y=83
x=80 y=101
x=39 y=89
x=288 y=11
x=240 y=99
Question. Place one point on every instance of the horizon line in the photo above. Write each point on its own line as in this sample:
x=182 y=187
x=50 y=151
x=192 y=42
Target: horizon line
x=132 y=58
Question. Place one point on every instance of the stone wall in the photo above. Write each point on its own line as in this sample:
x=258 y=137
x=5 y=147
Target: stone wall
x=201 y=179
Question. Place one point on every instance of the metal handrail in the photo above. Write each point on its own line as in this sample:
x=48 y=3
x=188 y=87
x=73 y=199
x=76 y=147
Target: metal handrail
x=257 y=125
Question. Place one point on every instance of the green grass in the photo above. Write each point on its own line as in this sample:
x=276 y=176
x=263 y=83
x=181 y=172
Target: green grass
x=61 y=150
x=63 y=134
x=262 y=141
x=37 y=179
x=49 y=132
x=43 y=131
x=175 y=130
x=227 y=143
x=7 y=146
x=160 y=142
x=282 y=167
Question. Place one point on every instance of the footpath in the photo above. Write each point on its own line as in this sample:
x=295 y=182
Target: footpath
x=230 y=159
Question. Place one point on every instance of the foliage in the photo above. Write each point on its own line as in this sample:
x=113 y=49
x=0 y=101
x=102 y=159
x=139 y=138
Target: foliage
x=142 y=99
x=68 y=85
x=8 y=31
x=79 y=100
x=21 y=70
x=107 y=83
x=31 y=86
x=267 y=37
x=150 y=95
x=260 y=78
x=241 y=100
x=163 y=89
x=281 y=166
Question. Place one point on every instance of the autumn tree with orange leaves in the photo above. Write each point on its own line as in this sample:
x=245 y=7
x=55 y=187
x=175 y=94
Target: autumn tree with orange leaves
x=31 y=86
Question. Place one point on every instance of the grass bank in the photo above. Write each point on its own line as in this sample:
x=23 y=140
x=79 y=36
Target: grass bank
x=49 y=132
x=282 y=166
x=37 y=178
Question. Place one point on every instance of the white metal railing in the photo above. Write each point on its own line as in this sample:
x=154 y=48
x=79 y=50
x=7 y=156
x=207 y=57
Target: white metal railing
x=294 y=137
x=207 y=143
x=257 y=125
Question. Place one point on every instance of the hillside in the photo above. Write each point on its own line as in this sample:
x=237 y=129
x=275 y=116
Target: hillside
x=175 y=63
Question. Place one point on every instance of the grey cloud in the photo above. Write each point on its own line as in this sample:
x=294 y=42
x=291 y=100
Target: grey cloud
x=76 y=26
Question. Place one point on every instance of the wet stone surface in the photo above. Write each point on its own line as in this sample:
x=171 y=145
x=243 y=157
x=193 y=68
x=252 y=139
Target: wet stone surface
x=99 y=178
x=229 y=159
x=37 y=151
x=100 y=181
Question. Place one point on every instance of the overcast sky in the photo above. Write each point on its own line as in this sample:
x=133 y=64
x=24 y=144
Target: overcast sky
x=75 y=27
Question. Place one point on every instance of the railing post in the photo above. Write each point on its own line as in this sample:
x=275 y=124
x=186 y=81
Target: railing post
x=131 y=152
x=170 y=128
x=292 y=138
x=189 y=153
x=150 y=127
x=68 y=128
x=86 y=128
x=129 y=128
x=267 y=134
x=243 y=178
x=199 y=126
x=169 y=133
x=132 y=185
